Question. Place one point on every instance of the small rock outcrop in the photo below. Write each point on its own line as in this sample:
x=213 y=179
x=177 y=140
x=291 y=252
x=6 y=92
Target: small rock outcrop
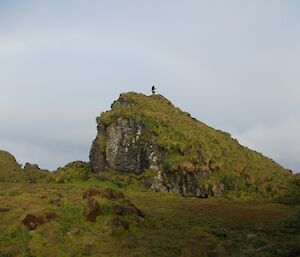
x=34 y=173
x=127 y=148
x=74 y=171
x=32 y=222
x=93 y=209
x=112 y=202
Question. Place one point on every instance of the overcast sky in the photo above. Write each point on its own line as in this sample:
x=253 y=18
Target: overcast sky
x=233 y=64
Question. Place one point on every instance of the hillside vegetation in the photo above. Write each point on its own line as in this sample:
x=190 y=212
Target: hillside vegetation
x=192 y=146
x=76 y=211
x=10 y=170
x=161 y=224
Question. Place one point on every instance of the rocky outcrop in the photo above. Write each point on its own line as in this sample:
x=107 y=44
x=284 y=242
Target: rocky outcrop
x=35 y=174
x=178 y=182
x=148 y=135
x=32 y=222
x=74 y=171
x=124 y=145
x=92 y=209
x=183 y=183
x=127 y=147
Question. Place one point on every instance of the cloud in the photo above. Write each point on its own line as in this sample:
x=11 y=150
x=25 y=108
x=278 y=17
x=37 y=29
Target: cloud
x=234 y=66
x=281 y=141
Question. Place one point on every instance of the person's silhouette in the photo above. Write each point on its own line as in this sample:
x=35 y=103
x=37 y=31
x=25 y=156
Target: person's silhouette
x=153 y=90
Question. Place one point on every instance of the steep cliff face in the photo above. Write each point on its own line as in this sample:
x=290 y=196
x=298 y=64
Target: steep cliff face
x=126 y=147
x=148 y=133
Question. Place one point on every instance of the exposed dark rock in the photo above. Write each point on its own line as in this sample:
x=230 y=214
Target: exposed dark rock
x=125 y=148
x=92 y=210
x=51 y=216
x=32 y=222
x=178 y=182
x=4 y=209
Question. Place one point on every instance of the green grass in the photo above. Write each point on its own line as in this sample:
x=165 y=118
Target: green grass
x=74 y=171
x=10 y=170
x=173 y=225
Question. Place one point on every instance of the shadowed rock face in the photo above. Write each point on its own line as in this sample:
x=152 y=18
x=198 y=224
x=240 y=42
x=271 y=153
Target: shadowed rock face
x=126 y=149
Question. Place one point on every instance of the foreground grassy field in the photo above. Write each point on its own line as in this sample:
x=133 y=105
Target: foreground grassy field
x=171 y=226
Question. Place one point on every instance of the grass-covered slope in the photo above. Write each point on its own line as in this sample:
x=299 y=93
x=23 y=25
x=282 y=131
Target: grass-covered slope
x=10 y=170
x=74 y=171
x=192 y=146
x=171 y=226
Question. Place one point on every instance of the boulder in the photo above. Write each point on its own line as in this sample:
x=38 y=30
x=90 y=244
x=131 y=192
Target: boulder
x=92 y=209
x=32 y=222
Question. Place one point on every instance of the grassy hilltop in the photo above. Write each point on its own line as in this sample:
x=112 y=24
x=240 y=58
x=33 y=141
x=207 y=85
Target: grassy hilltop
x=192 y=146
x=10 y=170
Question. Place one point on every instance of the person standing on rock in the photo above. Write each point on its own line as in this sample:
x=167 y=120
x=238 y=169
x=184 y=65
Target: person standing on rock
x=153 y=90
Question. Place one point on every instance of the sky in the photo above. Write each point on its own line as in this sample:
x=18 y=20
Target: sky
x=232 y=64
